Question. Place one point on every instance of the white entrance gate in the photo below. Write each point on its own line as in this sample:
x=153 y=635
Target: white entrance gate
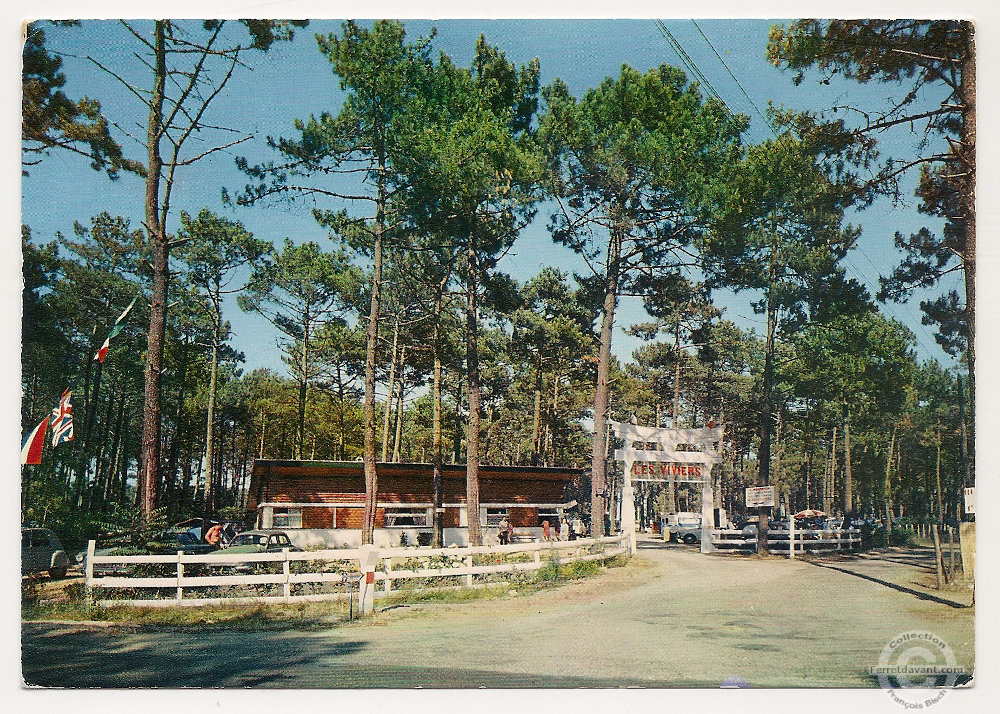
x=654 y=454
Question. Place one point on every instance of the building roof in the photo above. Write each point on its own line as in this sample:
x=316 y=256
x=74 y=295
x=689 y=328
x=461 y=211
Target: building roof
x=348 y=468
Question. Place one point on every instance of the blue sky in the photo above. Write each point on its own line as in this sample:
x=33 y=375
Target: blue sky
x=294 y=80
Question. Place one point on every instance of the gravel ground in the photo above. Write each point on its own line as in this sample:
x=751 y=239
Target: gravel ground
x=672 y=618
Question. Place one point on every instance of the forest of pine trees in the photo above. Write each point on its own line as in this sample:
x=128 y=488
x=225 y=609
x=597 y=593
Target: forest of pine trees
x=401 y=337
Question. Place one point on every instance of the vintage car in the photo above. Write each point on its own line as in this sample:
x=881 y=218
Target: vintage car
x=42 y=552
x=260 y=541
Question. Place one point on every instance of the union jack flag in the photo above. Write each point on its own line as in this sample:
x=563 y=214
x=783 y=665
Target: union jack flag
x=62 y=420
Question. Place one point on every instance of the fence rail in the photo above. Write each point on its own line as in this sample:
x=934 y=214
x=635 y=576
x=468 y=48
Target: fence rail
x=331 y=567
x=805 y=540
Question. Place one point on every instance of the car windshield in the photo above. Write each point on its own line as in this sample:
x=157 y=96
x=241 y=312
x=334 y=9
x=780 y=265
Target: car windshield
x=250 y=539
x=186 y=537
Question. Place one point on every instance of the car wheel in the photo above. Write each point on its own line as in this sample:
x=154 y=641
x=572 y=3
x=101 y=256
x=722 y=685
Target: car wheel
x=690 y=538
x=56 y=573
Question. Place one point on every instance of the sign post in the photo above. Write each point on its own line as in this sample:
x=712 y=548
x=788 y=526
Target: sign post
x=760 y=496
x=970 y=500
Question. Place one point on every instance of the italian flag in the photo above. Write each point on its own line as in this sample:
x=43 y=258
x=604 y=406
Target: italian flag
x=31 y=447
x=103 y=351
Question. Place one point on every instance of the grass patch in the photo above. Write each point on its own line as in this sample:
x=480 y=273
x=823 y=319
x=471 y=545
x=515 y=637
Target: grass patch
x=73 y=605
x=229 y=617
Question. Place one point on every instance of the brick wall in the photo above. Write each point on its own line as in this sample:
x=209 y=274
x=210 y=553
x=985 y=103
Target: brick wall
x=319 y=482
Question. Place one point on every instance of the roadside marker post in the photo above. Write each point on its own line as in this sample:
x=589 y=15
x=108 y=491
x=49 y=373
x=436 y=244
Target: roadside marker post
x=88 y=571
x=368 y=556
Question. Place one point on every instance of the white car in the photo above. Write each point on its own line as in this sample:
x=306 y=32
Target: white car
x=684 y=527
x=42 y=552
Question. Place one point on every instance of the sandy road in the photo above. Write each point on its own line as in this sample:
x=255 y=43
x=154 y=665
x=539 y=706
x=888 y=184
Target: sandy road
x=673 y=618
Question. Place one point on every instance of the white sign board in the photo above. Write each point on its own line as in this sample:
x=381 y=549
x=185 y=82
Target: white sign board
x=970 y=500
x=760 y=496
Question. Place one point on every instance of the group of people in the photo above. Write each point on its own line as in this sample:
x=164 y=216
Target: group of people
x=565 y=530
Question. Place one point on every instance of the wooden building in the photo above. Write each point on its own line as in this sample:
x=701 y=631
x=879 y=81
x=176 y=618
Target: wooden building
x=322 y=502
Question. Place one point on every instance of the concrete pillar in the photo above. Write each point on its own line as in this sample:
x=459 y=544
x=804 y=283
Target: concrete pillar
x=267 y=517
x=707 y=511
x=628 y=503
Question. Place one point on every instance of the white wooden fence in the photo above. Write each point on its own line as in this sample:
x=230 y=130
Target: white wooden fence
x=331 y=567
x=803 y=540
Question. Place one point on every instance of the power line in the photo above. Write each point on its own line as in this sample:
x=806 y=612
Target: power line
x=690 y=63
x=857 y=270
x=696 y=71
x=752 y=104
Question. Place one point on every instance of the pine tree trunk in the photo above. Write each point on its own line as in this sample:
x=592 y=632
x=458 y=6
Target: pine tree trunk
x=396 y=447
x=371 y=471
x=341 y=437
x=598 y=462
x=472 y=382
x=436 y=428
x=677 y=374
x=888 y=482
x=536 y=429
x=764 y=457
x=115 y=452
x=209 y=458
x=457 y=436
x=848 y=473
x=83 y=485
x=389 y=395
x=967 y=207
x=300 y=426
x=148 y=478
x=830 y=495
x=100 y=472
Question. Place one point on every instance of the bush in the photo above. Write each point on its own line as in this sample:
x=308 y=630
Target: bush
x=551 y=571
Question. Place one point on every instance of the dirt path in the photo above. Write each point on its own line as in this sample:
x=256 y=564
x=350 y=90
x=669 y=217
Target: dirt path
x=671 y=618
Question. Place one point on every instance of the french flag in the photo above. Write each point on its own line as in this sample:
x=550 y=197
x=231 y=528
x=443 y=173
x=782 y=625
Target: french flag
x=31 y=447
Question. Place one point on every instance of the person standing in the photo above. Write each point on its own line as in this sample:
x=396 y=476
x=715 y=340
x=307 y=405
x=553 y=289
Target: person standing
x=563 y=529
x=546 y=531
x=504 y=531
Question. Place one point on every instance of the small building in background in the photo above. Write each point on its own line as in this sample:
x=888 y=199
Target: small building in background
x=321 y=503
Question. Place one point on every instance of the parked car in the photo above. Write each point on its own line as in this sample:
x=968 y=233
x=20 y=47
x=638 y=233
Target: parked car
x=686 y=527
x=260 y=541
x=750 y=529
x=164 y=543
x=42 y=552
x=200 y=527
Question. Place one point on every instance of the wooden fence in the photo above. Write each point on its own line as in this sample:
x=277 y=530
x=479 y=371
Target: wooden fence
x=778 y=541
x=323 y=569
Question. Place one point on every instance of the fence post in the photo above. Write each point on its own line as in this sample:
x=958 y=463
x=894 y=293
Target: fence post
x=89 y=569
x=287 y=587
x=388 y=575
x=180 y=574
x=468 y=570
x=791 y=537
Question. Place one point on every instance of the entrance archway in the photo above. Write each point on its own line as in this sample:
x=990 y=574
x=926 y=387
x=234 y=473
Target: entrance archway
x=654 y=454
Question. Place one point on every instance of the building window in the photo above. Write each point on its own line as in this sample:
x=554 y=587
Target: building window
x=405 y=516
x=551 y=515
x=495 y=515
x=287 y=518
